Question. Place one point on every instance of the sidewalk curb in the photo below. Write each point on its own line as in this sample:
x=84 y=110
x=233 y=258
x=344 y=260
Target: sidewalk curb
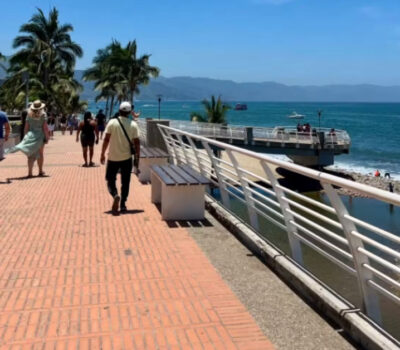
x=353 y=322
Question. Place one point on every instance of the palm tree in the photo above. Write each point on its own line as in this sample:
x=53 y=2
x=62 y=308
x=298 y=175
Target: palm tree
x=215 y=111
x=45 y=51
x=118 y=72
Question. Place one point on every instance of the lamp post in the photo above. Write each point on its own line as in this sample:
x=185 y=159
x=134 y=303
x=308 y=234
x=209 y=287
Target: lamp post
x=319 y=119
x=159 y=105
x=25 y=78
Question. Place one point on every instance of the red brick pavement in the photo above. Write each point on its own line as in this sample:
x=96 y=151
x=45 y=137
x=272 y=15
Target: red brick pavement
x=72 y=276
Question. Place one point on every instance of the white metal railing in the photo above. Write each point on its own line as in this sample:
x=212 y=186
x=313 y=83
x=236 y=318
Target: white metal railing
x=367 y=252
x=277 y=134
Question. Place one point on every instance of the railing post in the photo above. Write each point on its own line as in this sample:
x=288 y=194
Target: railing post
x=221 y=183
x=249 y=136
x=182 y=145
x=166 y=134
x=294 y=243
x=247 y=193
x=370 y=298
x=195 y=150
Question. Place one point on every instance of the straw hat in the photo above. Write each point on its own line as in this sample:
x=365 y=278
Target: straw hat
x=37 y=105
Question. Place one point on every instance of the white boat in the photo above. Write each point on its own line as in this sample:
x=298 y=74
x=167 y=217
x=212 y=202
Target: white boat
x=295 y=115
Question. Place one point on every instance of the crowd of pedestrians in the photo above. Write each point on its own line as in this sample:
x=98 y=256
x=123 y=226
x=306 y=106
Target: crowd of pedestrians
x=121 y=140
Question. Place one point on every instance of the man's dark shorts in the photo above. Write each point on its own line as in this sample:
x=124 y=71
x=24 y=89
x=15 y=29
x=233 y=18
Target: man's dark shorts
x=101 y=128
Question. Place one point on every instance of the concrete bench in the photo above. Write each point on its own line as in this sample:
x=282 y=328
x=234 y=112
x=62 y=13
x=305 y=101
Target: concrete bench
x=150 y=156
x=180 y=190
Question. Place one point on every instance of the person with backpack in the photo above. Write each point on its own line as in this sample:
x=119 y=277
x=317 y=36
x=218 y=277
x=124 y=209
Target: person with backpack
x=122 y=138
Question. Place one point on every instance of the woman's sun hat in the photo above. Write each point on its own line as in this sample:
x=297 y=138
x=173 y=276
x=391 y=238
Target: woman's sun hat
x=37 y=105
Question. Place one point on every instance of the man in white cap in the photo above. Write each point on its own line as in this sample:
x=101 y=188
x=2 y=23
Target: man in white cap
x=122 y=135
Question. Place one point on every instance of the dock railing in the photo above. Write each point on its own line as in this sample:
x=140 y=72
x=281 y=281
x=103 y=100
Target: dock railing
x=369 y=255
x=260 y=134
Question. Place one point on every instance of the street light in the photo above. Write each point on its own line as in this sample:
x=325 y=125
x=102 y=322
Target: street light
x=319 y=119
x=159 y=96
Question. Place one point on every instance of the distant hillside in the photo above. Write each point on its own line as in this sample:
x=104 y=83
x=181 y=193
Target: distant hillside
x=195 y=89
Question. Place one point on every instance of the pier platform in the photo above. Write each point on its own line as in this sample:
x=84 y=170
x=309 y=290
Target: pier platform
x=72 y=276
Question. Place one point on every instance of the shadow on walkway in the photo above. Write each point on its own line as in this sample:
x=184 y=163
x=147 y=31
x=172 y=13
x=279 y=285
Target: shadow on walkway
x=189 y=223
x=129 y=211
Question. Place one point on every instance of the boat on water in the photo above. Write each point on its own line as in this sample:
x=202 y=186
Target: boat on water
x=295 y=115
x=240 y=107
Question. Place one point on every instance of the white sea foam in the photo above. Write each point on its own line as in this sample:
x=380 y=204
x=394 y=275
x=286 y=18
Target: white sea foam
x=149 y=106
x=361 y=169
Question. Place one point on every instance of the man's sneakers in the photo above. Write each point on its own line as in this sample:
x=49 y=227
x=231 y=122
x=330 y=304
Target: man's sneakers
x=114 y=208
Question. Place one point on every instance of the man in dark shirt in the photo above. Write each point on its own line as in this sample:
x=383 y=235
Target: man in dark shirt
x=101 y=121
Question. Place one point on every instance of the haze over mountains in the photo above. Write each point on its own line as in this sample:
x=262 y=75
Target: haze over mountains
x=195 y=89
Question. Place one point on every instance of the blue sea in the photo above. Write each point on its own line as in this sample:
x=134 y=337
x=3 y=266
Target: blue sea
x=374 y=128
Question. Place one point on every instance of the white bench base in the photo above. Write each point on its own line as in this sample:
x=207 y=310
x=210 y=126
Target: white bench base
x=146 y=163
x=178 y=202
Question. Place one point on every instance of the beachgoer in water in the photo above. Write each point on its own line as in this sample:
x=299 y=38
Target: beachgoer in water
x=36 y=135
x=390 y=187
x=387 y=175
x=120 y=154
x=377 y=173
x=299 y=127
x=88 y=130
x=332 y=132
x=4 y=123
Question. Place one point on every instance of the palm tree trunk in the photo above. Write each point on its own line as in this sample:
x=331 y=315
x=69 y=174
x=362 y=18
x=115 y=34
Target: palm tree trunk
x=107 y=102
x=111 y=105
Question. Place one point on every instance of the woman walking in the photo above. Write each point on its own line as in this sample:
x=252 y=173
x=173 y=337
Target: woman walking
x=51 y=124
x=63 y=124
x=88 y=130
x=36 y=135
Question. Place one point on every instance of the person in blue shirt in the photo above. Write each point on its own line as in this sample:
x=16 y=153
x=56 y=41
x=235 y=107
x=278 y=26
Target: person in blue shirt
x=4 y=124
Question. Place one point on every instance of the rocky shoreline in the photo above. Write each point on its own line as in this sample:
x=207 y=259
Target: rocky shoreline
x=370 y=180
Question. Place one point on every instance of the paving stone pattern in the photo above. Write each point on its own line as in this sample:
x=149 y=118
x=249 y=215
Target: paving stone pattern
x=72 y=276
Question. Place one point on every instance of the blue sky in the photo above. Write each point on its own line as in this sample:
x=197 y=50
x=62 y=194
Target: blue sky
x=304 y=42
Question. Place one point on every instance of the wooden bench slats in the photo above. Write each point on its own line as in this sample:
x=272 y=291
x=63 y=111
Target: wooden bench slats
x=178 y=178
x=189 y=178
x=152 y=152
x=200 y=178
x=163 y=176
x=179 y=175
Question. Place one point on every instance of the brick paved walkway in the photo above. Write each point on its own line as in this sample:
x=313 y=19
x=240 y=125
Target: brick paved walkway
x=72 y=276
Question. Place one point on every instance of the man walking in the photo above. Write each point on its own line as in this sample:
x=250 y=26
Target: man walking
x=4 y=124
x=121 y=134
x=101 y=121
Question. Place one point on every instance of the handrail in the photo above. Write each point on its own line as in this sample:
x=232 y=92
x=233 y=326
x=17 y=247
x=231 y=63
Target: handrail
x=278 y=133
x=356 y=246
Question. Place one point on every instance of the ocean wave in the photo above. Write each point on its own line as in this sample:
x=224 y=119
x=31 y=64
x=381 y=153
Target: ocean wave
x=364 y=170
x=148 y=106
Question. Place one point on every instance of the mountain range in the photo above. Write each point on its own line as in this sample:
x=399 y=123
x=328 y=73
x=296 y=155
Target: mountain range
x=195 y=89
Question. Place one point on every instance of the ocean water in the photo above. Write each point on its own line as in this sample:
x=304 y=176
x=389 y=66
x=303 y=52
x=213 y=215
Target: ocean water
x=374 y=128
